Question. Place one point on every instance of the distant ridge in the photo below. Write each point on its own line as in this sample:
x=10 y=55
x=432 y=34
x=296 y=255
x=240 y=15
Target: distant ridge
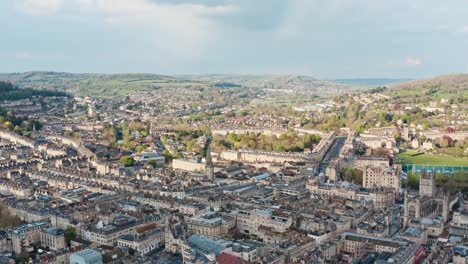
x=108 y=85
x=371 y=81
x=272 y=81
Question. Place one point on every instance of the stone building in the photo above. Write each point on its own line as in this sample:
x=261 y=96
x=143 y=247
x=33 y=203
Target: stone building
x=460 y=255
x=108 y=234
x=53 y=238
x=381 y=197
x=211 y=224
x=4 y=245
x=145 y=239
x=250 y=222
x=382 y=176
x=358 y=245
x=175 y=236
x=427 y=203
x=22 y=237
x=188 y=165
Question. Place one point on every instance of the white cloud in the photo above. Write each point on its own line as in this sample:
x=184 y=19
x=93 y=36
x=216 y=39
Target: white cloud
x=40 y=7
x=465 y=29
x=179 y=30
x=420 y=16
x=176 y=30
x=411 y=61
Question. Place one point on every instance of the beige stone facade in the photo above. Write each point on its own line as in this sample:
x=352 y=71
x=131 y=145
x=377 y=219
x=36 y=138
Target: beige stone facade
x=53 y=238
x=211 y=224
x=382 y=176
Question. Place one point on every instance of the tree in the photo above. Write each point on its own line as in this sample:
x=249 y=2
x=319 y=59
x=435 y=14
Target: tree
x=17 y=129
x=8 y=125
x=358 y=176
x=397 y=135
x=110 y=135
x=203 y=152
x=446 y=141
x=381 y=116
x=413 y=181
x=7 y=219
x=167 y=156
x=70 y=234
x=279 y=147
x=450 y=130
x=77 y=135
x=144 y=133
x=352 y=175
x=5 y=86
x=348 y=174
x=139 y=148
x=452 y=185
x=381 y=152
x=152 y=163
x=190 y=145
x=127 y=161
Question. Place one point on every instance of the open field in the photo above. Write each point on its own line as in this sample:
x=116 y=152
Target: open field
x=413 y=157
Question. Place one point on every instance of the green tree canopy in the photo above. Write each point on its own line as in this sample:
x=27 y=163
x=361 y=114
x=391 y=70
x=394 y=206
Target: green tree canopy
x=70 y=234
x=127 y=161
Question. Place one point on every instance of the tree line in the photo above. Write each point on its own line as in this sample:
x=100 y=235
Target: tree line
x=287 y=142
x=19 y=124
x=9 y=92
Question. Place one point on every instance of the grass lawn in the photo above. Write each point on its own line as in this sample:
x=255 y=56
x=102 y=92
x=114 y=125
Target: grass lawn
x=413 y=157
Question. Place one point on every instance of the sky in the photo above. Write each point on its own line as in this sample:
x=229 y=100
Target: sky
x=320 y=38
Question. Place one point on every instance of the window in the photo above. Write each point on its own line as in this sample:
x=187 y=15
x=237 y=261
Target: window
x=412 y=211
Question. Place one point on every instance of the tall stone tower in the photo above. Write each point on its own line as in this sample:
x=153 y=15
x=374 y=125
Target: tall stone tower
x=427 y=183
x=209 y=169
x=92 y=111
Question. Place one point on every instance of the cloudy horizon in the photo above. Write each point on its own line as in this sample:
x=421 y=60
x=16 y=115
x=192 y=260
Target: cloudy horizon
x=324 y=39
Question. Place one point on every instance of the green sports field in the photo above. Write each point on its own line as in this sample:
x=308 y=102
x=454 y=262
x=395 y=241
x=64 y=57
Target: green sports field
x=413 y=157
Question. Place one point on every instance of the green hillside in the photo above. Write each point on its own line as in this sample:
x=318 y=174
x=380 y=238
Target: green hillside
x=109 y=85
x=271 y=81
x=446 y=86
x=96 y=85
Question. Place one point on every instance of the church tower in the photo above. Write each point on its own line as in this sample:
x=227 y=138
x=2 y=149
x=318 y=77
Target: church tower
x=427 y=183
x=209 y=169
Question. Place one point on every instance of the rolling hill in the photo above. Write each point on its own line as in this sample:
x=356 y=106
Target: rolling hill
x=267 y=81
x=371 y=81
x=109 y=85
x=95 y=85
x=450 y=86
